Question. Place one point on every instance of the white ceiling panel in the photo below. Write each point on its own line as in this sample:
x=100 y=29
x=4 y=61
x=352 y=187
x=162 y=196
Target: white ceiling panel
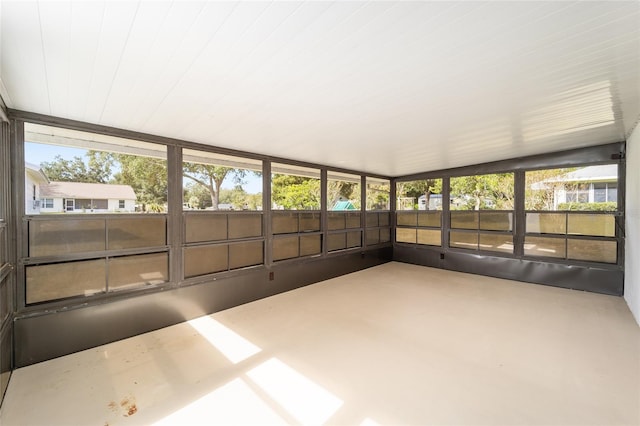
x=391 y=88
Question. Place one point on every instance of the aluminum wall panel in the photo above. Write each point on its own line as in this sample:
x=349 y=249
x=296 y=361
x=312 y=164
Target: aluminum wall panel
x=46 y=336
x=59 y=237
x=606 y=280
x=203 y=227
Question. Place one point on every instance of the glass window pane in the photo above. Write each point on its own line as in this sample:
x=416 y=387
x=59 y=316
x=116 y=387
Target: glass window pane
x=385 y=235
x=591 y=250
x=343 y=191
x=599 y=192
x=482 y=192
x=612 y=193
x=284 y=222
x=383 y=219
x=336 y=221
x=243 y=225
x=432 y=219
x=147 y=231
x=205 y=227
x=309 y=222
x=496 y=221
x=372 y=236
x=423 y=194
x=547 y=223
x=213 y=181
x=466 y=240
x=138 y=271
x=60 y=280
x=310 y=244
x=407 y=218
x=60 y=237
x=372 y=220
x=378 y=194
x=464 y=220
x=430 y=237
x=591 y=224
x=545 y=247
x=353 y=220
x=336 y=241
x=285 y=248
x=246 y=254
x=204 y=260
x=406 y=235
x=496 y=242
x=294 y=187
x=354 y=239
x=81 y=172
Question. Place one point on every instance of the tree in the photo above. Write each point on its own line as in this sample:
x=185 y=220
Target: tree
x=148 y=178
x=418 y=188
x=491 y=191
x=295 y=192
x=542 y=185
x=211 y=178
x=97 y=168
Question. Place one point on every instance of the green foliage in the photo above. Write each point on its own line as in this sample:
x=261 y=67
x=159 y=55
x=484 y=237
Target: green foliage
x=417 y=188
x=97 y=168
x=295 y=192
x=147 y=177
x=594 y=207
x=479 y=192
x=377 y=197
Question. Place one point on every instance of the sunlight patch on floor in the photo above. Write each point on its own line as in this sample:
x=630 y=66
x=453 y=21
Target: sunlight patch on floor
x=231 y=404
x=305 y=400
x=233 y=346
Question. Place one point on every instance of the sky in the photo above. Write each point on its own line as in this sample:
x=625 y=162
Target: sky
x=36 y=153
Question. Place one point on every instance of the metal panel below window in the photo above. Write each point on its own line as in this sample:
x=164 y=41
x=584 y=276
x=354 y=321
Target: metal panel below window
x=204 y=260
x=245 y=254
x=60 y=280
x=138 y=271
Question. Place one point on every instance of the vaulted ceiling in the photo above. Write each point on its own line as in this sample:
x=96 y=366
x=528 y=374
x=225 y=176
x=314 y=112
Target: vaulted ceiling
x=384 y=87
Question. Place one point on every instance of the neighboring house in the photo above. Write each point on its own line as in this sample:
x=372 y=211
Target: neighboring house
x=435 y=202
x=34 y=178
x=592 y=184
x=77 y=197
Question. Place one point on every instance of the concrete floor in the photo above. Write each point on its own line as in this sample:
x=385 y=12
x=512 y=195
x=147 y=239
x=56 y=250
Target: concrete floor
x=394 y=344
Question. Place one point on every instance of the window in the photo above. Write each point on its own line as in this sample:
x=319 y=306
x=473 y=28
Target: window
x=344 y=217
x=378 y=193
x=481 y=215
x=419 y=216
x=570 y=213
x=222 y=199
x=86 y=250
x=97 y=171
x=295 y=220
x=294 y=187
x=213 y=181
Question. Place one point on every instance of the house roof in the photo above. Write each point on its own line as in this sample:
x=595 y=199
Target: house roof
x=602 y=173
x=95 y=191
x=36 y=172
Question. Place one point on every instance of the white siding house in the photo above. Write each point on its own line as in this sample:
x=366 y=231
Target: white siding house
x=592 y=184
x=77 y=197
x=34 y=179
